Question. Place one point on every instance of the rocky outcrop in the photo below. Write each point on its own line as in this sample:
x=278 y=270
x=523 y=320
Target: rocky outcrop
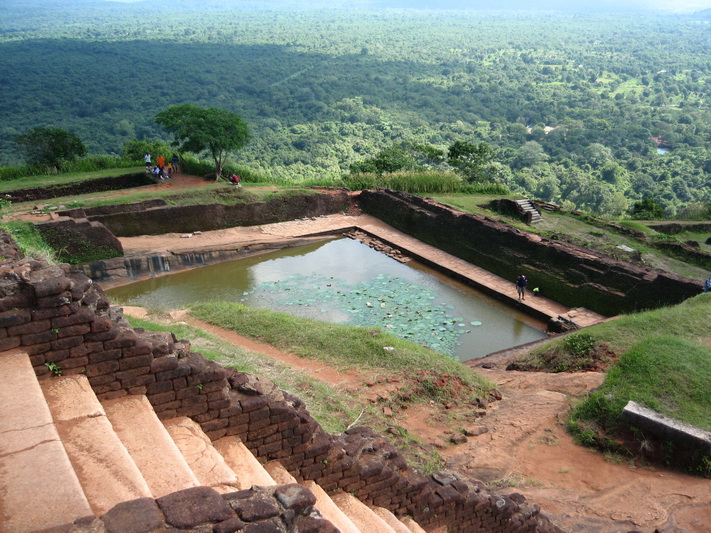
x=570 y=274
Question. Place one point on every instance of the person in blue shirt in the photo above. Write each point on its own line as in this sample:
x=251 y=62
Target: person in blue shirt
x=521 y=283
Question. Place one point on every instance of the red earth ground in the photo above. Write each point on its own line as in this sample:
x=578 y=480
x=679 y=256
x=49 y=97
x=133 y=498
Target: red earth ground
x=523 y=447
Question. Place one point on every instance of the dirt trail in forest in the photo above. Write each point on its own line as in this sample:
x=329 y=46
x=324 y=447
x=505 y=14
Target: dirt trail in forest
x=525 y=449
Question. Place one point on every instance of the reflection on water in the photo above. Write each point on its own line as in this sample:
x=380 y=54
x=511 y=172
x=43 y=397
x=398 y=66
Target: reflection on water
x=346 y=281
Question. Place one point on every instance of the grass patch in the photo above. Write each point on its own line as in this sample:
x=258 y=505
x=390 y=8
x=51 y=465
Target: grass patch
x=665 y=373
x=213 y=193
x=47 y=180
x=332 y=407
x=29 y=239
x=574 y=352
x=413 y=182
x=665 y=365
x=341 y=346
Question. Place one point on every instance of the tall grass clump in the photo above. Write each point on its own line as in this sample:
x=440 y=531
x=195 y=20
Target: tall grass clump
x=89 y=163
x=29 y=239
x=486 y=188
x=428 y=182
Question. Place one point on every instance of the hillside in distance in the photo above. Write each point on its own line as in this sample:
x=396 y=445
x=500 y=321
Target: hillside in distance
x=575 y=106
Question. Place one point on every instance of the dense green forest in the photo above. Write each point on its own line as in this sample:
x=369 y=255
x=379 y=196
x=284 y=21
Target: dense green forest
x=574 y=106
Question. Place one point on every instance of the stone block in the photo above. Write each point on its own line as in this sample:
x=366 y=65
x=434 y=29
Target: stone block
x=296 y=498
x=138 y=381
x=129 y=363
x=140 y=348
x=135 y=516
x=163 y=364
x=160 y=387
x=87 y=348
x=162 y=398
x=36 y=326
x=180 y=371
x=66 y=343
x=101 y=379
x=64 y=310
x=252 y=403
x=180 y=383
x=75 y=362
x=104 y=355
x=124 y=339
x=101 y=325
x=82 y=316
x=50 y=286
x=36 y=360
x=134 y=372
x=15 y=318
x=112 y=395
x=101 y=336
x=257 y=508
x=192 y=410
x=79 y=329
x=38 y=338
x=188 y=392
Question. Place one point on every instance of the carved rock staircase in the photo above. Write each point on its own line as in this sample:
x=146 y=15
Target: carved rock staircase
x=529 y=211
x=65 y=457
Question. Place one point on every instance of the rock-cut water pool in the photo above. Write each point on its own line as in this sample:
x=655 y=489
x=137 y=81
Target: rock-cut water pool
x=345 y=281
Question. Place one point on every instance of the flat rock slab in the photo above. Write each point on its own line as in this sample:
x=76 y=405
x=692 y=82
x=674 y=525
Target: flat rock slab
x=38 y=484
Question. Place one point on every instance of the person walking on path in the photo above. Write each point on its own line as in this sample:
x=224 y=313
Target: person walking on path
x=521 y=283
x=175 y=161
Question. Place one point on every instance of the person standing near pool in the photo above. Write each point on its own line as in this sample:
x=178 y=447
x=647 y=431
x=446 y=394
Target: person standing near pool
x=521 y=283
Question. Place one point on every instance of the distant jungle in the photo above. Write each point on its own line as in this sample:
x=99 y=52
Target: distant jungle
x=595 y=111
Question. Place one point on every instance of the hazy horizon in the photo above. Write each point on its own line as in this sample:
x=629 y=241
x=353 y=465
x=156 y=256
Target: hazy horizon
x=677 y=6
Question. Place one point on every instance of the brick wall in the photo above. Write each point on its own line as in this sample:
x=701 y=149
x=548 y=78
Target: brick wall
x=575 y=276
x=64 y=322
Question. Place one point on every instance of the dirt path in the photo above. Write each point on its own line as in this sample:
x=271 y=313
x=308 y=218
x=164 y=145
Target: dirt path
x=525 y=449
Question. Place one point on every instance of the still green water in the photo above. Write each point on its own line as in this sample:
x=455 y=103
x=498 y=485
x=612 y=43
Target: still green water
x=345 y=281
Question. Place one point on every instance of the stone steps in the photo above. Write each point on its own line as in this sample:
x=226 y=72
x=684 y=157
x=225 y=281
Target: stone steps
x=64 y=455
x=151 y=446
x=107 y=472
x=526 y=206
x=360 y=514
x=250 y=472
x=324 y=503
x=203 y=459
x=338 y=515
x=38 y=484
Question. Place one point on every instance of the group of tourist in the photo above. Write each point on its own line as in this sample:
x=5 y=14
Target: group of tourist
x=162 y=170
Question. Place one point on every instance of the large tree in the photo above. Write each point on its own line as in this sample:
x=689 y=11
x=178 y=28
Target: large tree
x=473 y=161
x=211 y=130
x=50 y=146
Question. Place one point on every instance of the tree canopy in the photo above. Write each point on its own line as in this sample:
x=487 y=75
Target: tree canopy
x=197 y=130
x=50 y=146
